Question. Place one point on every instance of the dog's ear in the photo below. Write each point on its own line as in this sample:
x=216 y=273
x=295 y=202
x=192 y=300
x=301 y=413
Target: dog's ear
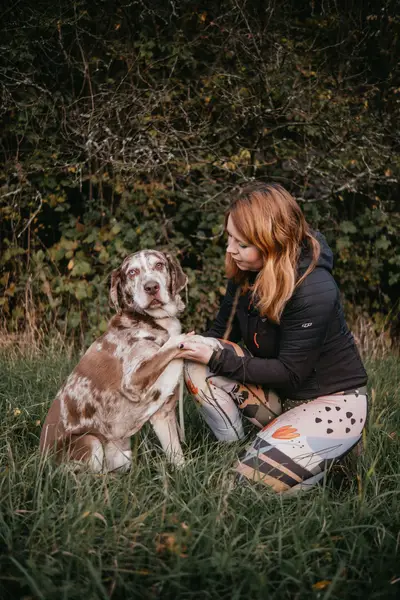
x=114 y=289
x=178 y=277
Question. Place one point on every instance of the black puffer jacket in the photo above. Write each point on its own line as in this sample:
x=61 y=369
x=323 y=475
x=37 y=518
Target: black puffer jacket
x=310 y=353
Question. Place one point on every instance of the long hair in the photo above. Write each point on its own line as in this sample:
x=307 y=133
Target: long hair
x=268 y=217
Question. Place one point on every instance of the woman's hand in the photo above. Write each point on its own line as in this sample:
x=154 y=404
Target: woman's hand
x=195 y=351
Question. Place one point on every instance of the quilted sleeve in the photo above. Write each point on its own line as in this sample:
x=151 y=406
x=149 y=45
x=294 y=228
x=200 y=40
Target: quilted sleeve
x=303 y=328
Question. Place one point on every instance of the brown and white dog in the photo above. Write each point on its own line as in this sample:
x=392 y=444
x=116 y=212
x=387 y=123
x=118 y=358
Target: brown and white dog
x=128 y=376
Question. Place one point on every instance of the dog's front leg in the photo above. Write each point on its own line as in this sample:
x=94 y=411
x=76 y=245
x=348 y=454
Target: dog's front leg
x=161 y=375
x=166 y=430
x=152 y=368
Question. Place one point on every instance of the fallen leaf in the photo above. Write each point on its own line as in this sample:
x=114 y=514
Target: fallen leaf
x=321 y=585
x=167 y=542
x=142 y=572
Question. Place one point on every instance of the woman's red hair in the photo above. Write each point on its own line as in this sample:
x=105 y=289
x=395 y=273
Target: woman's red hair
x=268 y=217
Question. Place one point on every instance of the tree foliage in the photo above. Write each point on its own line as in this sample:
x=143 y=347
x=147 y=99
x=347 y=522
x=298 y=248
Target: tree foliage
x=125 y=125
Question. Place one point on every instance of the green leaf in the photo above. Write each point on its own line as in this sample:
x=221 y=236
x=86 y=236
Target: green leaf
x=74 y=319
x=342 y=243
x=81 y=290
x=348 y=227
x=81 y=267
x=382 y=243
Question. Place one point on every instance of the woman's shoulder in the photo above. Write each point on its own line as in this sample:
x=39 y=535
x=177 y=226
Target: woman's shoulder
x=316 y=296
x=319 y=285
x=320 y=279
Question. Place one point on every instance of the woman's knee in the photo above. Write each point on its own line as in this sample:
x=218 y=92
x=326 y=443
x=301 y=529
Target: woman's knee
x=215 y=404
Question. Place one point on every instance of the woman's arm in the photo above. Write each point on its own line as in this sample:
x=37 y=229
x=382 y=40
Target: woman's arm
x=219 y=326
x=304 y=324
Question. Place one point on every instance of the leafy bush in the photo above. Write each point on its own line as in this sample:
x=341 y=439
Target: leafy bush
x=125 y=126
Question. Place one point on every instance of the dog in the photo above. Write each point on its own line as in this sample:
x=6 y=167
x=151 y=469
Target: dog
x=128 y=376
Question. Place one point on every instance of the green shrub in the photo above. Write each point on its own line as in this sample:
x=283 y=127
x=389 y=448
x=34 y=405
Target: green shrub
x=126 y=127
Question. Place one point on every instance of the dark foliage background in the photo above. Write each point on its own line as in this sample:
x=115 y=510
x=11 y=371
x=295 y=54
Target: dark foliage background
x=126 y=124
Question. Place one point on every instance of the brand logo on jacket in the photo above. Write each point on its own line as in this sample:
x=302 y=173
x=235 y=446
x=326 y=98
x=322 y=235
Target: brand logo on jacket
x=306 y=325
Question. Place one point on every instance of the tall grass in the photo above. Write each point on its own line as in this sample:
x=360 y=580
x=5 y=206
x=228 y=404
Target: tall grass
x=158 y=533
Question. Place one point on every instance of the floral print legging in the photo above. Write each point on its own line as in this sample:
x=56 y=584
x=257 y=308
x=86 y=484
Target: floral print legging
x=297 y=441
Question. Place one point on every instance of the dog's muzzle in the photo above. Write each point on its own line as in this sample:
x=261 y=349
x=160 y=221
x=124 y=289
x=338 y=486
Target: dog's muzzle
x=151 y=288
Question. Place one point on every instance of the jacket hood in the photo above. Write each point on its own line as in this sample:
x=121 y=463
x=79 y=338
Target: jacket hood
x=325 y=258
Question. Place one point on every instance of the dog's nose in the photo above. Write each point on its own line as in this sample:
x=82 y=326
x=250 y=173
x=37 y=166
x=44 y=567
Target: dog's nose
x=152 y=287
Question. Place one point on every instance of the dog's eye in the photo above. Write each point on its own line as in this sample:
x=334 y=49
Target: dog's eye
x=159 y=266
x=133 y=272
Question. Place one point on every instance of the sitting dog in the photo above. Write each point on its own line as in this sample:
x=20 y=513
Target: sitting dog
x=128 y=376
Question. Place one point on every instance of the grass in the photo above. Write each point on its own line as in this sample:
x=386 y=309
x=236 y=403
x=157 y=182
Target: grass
x=156 y=533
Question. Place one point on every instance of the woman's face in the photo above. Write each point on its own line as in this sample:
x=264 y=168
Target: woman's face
x=246 y=256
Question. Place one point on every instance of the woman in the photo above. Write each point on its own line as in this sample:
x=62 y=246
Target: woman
x=299 y=377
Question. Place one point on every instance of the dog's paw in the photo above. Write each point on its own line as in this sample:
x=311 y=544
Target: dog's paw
x=207 y=341
x=178 y=462
x=175 y=340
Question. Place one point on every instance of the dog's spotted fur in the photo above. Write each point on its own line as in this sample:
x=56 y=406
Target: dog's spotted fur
x=128 y=376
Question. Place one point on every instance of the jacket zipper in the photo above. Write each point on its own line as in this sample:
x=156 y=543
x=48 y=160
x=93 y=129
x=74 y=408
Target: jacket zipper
x=255 y=340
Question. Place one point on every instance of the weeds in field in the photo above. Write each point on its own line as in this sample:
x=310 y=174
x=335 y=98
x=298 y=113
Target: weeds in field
x=158 y=533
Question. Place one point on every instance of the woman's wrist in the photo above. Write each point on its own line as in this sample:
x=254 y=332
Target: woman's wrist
x=214 y=361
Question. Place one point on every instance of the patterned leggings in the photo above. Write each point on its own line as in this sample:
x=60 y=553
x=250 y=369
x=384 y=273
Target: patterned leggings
x=294 y=447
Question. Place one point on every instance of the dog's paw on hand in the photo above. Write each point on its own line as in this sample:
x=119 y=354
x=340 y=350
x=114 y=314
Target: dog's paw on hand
x=185 y=341
x=207 y=341
x=176 y=341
